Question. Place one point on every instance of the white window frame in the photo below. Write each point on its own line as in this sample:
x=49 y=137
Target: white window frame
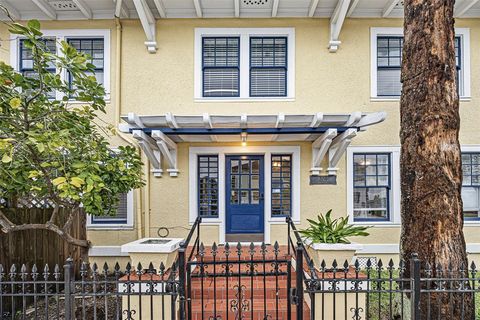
x=112 y=226
x=63 y=35
x=472 y=149
x=394 y=209
x=244 y=34
x=464 y=33
x=222 y=152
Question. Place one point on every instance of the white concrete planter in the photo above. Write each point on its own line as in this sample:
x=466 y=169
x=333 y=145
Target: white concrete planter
x=155 y=250
x=332 y=251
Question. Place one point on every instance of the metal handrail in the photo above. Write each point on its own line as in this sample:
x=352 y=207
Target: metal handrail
x=291 y=244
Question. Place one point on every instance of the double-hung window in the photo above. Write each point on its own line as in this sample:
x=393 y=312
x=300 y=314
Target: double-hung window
x=268 y=66
x=387 y=47
x=471 y=185
x=244 y=63
x=95 y=48
x=371 y=186
x=120 y=216
x=94 y=42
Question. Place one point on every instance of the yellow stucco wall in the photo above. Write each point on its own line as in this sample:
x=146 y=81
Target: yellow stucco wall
x=325 y=82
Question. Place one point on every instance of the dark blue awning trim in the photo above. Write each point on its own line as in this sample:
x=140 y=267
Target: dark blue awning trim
x=234 y=131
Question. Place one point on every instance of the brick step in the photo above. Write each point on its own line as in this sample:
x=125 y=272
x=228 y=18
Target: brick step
x=206 y=311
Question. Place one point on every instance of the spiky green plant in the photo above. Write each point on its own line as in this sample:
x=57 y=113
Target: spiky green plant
x=326 y=230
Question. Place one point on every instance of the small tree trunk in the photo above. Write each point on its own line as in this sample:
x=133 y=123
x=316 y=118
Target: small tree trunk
x=431 y=173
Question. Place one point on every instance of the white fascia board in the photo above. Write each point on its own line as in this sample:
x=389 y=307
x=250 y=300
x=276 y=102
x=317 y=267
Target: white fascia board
x=84 y=8
x=14 y=13
x=46 y=8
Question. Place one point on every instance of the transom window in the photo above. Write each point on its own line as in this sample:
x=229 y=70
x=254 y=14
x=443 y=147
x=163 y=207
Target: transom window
x=94 y=47
x=281 y=185
x=371 y=186
x=387 y=47
x=221 y=62
x=268 y=66
x=208 y=185
x=471 y=185
x=244 y=63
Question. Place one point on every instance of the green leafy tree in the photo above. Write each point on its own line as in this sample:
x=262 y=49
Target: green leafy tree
x=51 y=149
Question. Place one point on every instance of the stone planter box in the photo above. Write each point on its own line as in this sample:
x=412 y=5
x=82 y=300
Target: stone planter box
x=154 y=250
x=332 y=251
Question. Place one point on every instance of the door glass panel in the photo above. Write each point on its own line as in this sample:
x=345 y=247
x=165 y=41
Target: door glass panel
x=245 y=182
x=255 y=182
x=255 y=197
x=255 y=166
x=244 y=197
x=234 y=166
x=245 y=166
x=235 y=179
x=234 y=197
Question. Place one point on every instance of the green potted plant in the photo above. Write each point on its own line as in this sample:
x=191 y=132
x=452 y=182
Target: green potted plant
x=327 y=239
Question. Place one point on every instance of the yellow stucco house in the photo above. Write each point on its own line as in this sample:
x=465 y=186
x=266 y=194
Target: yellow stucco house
x=247 y=111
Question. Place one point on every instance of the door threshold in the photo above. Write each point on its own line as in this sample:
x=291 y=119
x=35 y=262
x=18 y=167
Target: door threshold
x=244 y=237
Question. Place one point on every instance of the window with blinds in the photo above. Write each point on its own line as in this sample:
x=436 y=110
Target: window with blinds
x=471 y=185
x=208 y=186
x=389 y=62
x=268 y=66
x=94 y=47
x=221 y=66
x=119 y=216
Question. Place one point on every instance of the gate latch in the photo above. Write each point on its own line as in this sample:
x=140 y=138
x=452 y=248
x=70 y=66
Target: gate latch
x=293 y=296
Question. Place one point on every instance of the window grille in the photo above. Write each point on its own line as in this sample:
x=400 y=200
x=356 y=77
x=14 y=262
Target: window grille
x=372 y=181
x=281 y=185
x=389 y=61
x=268 y=66
x=208 y=186
x=220 y=66
x=94 y=47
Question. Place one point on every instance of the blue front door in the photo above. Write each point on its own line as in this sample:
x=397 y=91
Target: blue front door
x=244 y=203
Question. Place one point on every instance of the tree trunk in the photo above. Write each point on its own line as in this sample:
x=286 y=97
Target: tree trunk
x=431 y=172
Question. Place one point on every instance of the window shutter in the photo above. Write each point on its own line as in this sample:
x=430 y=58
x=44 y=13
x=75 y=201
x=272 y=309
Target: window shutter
x=268 y=66
x=221 y=60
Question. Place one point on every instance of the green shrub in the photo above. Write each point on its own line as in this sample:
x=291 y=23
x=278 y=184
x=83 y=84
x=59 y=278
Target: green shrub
x=326 y=230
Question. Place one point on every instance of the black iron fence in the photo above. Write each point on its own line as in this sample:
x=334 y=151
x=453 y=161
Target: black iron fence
x=222 y=282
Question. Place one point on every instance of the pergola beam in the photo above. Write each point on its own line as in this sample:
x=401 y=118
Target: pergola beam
x=46 y=8
x=151 y=150
x=198 y=8
x=168 y=149
x=389 y=8
x=84 y=8
x=11 y=10
x=463 y=7
x=121 y=10
x=338 y=148
x=148 y=23
x=160 y=8
x=320 y=148
x=207 y=121
x=275 y=8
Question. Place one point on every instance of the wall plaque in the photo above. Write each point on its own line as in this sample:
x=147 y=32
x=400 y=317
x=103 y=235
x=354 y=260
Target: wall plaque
x=323 y=180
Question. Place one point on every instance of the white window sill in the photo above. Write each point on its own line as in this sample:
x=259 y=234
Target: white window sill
x=387 y=99
x=374 y=224
x=108 y=227
x=208 y=222
x=76 y=102
x=230 y=100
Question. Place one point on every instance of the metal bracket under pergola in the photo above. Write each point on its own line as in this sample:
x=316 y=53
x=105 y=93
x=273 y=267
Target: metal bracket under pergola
x=330 y=134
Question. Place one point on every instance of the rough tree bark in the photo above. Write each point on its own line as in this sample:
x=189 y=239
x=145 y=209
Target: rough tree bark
x=431 y=172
